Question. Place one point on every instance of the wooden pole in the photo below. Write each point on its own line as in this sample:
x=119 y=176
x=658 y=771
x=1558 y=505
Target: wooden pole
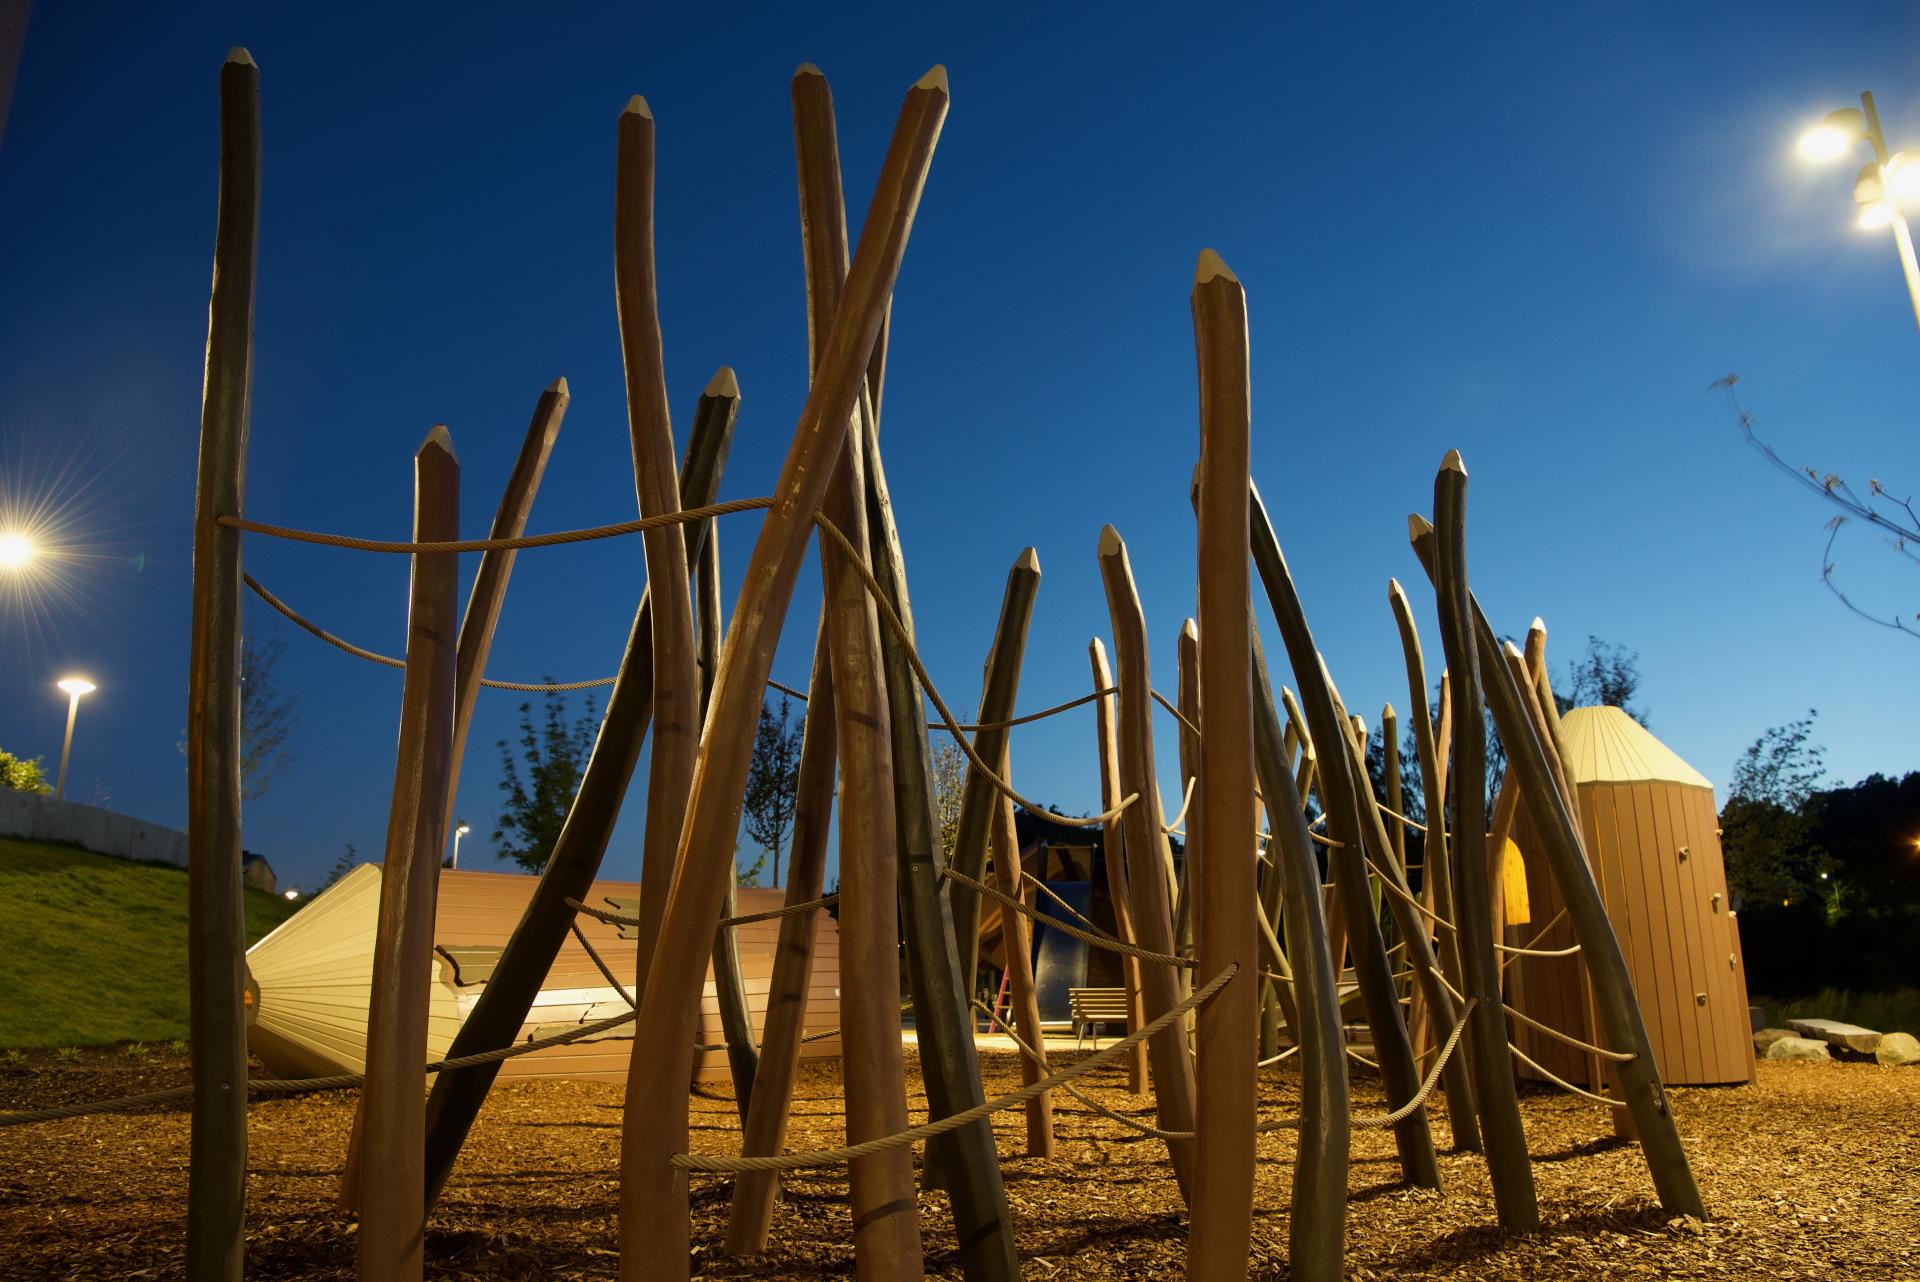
x=943 y=1021
x=1372 y=969
x=1619 y=1011
x=1501 y=1129
x=1390 y=767
x=736 y=1017
x=1315 y=1228
x=1146 y=846
x=1435 y=859
x=489 y=592
x=392 y=1236
x=999 y=685
x=216 y=924
x=676 y=679
x=886 y=1234
x=1187 y=699
x=1225 y=1035
x=654 y=1239
x=750 y=1219
x=1113 y=854
x=1017 y=937
x=529 y=953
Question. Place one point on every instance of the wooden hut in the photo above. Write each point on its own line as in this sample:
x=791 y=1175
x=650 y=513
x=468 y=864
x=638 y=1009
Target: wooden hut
x=309 y=980
x=1652 y=834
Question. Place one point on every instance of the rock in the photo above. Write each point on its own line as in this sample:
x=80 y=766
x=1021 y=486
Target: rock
x=1898 y=1049
x=1791 y=1047
x=1848 y=1036
x=1766 y=1037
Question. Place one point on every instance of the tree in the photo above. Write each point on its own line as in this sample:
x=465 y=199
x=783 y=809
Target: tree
x=345 y=864
x=773 y=779
x=266 y=717
x=1766 y=830
x=1605 y=676
x=555 y=756
x=26 y=774
x=949 y=785
x=1895 y=518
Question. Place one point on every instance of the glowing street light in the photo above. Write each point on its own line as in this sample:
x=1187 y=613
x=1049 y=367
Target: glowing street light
x=16 y=550
x=1883 y=184
x=459 y=832
x=74 y=687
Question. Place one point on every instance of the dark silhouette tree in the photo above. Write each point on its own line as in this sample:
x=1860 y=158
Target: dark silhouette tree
x=773 y=779
x=536 y=807
x=1766 y=829
x=266 y=717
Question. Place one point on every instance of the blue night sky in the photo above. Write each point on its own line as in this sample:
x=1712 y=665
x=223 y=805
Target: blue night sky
x=1533 y=237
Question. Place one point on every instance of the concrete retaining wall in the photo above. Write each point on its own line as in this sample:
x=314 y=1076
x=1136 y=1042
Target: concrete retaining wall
x=34 y=817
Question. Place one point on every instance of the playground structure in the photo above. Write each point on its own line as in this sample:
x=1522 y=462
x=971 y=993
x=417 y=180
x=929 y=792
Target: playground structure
x=1239 y=938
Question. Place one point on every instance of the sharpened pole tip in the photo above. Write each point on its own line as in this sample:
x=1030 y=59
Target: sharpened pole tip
x=238 y=55
x=1109 y=540
x=1190 y=630
x=637 y=106
x=936 y=78
x=440 y=436
x=1418 y=527
x=723 y=384
x=808 y=69
x=558 y=386
x=1211 y=268
x=1538 y=625
x=1452 y=463
x=1029 y=560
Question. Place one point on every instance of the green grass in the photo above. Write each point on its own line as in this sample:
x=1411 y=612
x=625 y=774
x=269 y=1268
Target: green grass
x=1891 y=1010
x=93 y=950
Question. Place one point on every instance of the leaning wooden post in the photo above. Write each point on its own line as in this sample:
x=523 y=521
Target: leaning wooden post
x=676 y=678
x=1146 y=845
x=736 y=1017
x=1017 y=938
x=886 y=1232
x=1316 y=1237
x=999 y=685
x=943 y=1020
x=750 y=1218
x=1434 y=858
x=392 y=1177
x=503 y=1005
x=1114 y=855
x=1187 y=699
x=654 y=1237
x=1501 y=1129
x=1396 y=800
x=1225 y=1036
x=489 y=591
x=1372 y=969
x=216 y=925
x=1619 y=1010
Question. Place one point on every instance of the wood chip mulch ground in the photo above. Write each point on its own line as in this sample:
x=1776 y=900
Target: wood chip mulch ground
x=1814 y=1172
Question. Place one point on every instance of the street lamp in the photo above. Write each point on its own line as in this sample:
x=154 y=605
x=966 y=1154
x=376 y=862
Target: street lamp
x=75 y=687
x=460 y=831
x=1882 y=184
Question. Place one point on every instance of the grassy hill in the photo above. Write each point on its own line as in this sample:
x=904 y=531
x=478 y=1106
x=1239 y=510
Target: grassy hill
x=94 y=949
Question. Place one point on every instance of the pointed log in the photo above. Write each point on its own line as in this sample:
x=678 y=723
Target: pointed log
x=1187 y=699
x=392 y=1238
x=1114 y=856
x=503 y=1005
x=654 y=1239
x=1372 y=969
x=1017 y=937
x=489 y=591
x=216 y=934
x=1146 y=847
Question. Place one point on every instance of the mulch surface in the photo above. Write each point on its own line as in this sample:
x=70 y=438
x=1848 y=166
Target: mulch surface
x=1814 y=1172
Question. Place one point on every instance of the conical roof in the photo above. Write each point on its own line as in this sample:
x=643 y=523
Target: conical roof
x=1605 y=745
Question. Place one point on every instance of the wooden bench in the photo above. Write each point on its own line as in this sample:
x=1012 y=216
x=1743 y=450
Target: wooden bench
x=1094 y=1006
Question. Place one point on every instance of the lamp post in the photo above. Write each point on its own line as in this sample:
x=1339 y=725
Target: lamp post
x=460 y=830
x=1882 y=184
x=75 y=687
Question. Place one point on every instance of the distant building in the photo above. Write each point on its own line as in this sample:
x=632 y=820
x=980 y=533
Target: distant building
x=258 y=873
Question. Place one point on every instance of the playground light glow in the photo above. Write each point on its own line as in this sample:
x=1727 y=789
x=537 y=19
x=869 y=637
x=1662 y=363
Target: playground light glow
x=16 y=549
x=1833 y=137
x=75 y=686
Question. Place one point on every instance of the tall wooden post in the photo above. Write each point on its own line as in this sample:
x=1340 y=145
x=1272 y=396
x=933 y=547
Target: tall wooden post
x=1501 y=1129
x=750 y=1218
x=1146 y=846
x=503 y=1005
x=654 y=1238
x=1372 y=970
x=1186 y=655
x=1225 y=1034
x=391 y=1242
x=1113 y=853
x=1017 y=938
x=1316 y=1240
x=676 y=679
x=216 y=925
x=489 y=592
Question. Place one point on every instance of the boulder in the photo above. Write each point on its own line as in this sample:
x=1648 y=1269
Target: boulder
x=1791 y=1047
x=1846 y=1036
x=1898 y=1049
x=1766 y=1037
